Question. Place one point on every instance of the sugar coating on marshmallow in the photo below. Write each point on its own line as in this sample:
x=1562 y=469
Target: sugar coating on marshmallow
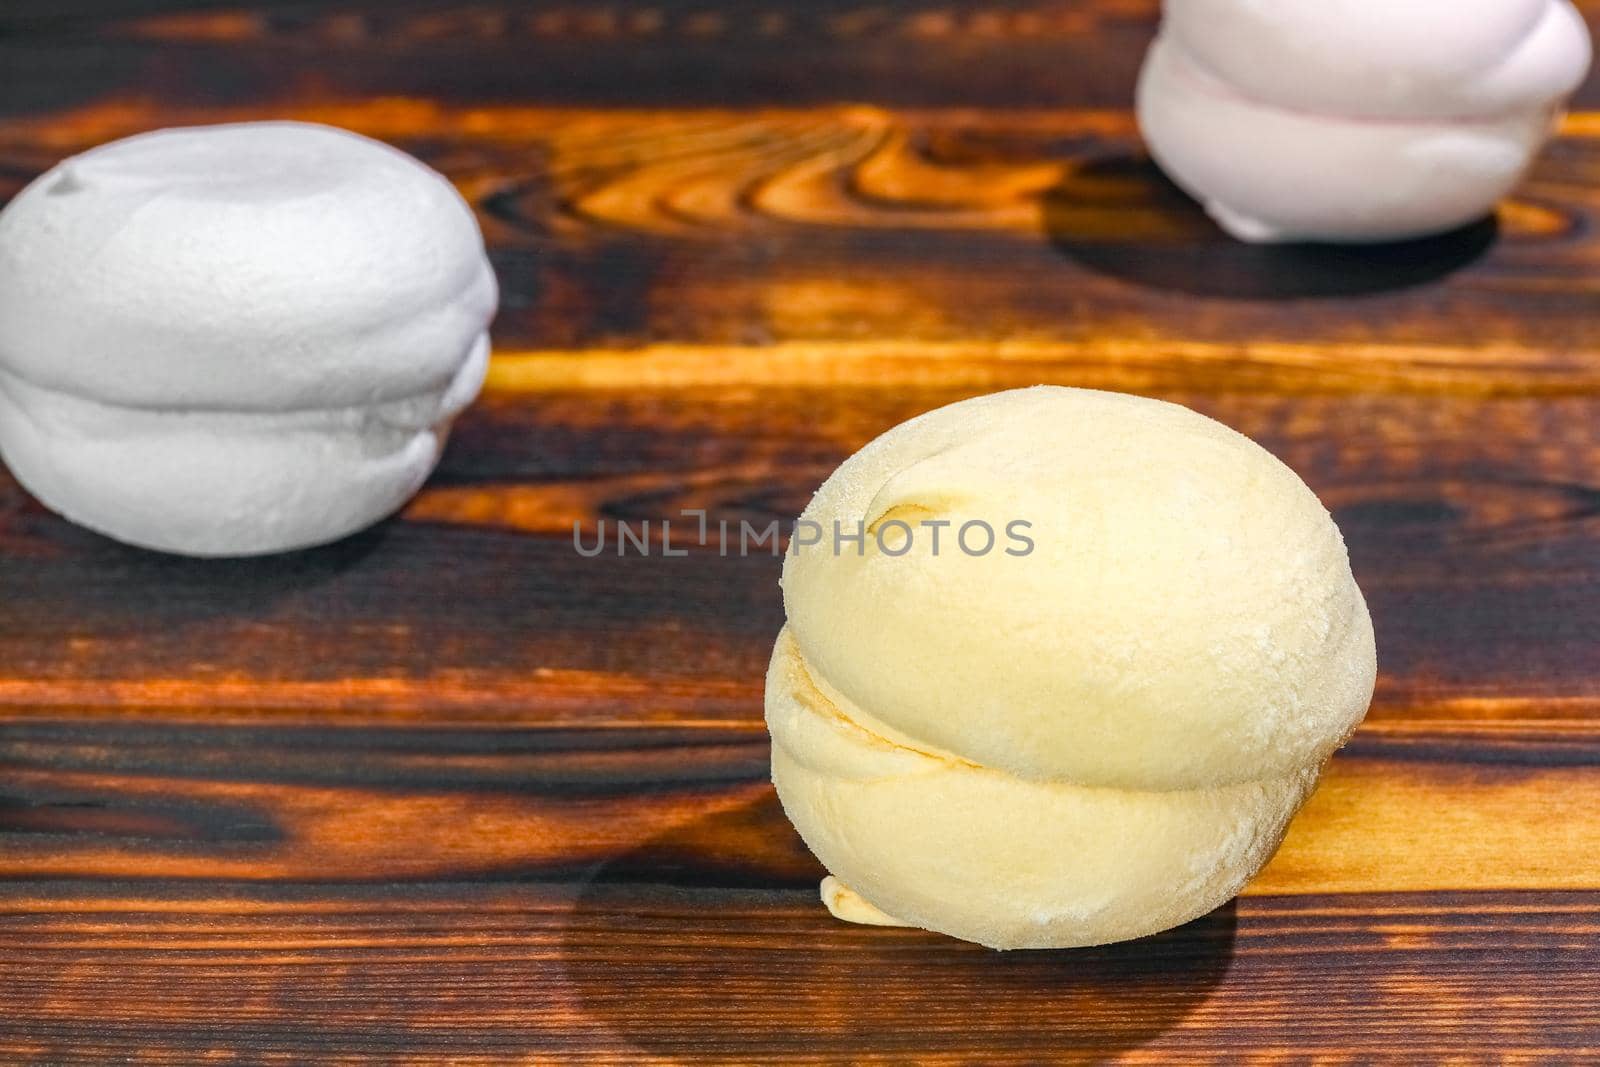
x=1346 y=120
x=237 y=339
x=1100 y=739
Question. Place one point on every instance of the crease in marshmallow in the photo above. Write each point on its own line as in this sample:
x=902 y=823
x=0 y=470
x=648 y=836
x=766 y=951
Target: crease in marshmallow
x=1098 y=741
x=1351 y=121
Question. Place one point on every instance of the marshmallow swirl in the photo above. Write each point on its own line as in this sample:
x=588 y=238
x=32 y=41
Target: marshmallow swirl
x=1346 y=120
x=238 y=339
x=1095 y=740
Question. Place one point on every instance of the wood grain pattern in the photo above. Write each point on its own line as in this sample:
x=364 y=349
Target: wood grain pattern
x=754 y=975
x=1006 y=53
x=1471 y=522
x=448 y=792
x=991 y=249
x=1407 y=806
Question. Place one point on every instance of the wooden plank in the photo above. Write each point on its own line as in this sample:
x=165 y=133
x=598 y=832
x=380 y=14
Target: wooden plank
x=1015 y=53
x=820 y=246
x=673 y=52
x=629 y=974
x=1442 y=807
x=1472 y=524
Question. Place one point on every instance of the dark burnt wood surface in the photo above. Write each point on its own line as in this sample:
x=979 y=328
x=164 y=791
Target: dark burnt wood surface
x=447 y=792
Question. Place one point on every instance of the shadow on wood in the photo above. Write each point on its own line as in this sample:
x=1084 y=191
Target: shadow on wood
x=665 y=956
x=166 y=586
x=1122 y=217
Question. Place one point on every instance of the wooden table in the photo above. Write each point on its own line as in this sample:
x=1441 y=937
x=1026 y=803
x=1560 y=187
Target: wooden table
x=448 y=791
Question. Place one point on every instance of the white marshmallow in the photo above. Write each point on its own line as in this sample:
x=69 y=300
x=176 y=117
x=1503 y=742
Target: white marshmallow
x=234 y=340
x=1348 y=120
